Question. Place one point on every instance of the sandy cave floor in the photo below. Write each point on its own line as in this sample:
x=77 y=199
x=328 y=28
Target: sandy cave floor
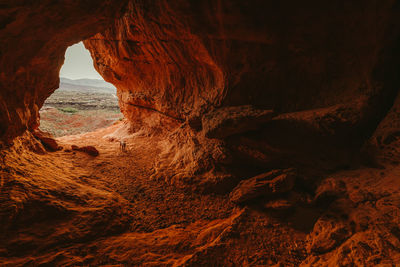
x=68 y=208
x=155 y=204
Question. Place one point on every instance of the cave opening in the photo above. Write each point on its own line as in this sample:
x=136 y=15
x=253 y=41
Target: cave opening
x=84 y=102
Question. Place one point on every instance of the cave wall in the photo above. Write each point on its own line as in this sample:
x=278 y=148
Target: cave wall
x=34 y=37
x=327 y=70
x=185 y=58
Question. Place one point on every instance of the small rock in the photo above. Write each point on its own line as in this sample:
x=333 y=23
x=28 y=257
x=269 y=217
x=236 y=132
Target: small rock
x=328 y=233
x=47 y=140
x=90 y=150
x=329 y=190
x=266 y=184
x=36 y=146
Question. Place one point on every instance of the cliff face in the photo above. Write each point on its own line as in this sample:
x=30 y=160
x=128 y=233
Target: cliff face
x=34 y=37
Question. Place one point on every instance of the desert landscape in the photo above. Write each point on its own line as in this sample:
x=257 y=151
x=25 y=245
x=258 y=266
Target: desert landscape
x=79 y=106
x=250 y=133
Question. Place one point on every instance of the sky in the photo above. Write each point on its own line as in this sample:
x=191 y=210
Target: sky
x=78 y=64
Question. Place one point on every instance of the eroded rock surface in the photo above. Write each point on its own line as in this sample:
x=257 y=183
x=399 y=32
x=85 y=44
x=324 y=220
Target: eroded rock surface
x=177 y=47
x=330 y=79
x=264 y=185
x=47 y=140
x=196 y=82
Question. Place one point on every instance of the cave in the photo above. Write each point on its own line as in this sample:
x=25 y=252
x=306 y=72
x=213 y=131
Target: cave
x=257 y=133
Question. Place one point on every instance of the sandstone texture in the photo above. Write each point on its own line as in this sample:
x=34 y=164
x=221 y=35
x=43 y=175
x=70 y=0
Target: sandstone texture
x=90 y=150
x=62 y=209
x=259 y=133
x=185 y=58
x=328 y=71
x=263 y=185
x=47 y=140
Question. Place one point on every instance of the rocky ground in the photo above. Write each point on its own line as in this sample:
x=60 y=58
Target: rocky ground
x=69 y=208
x=76 y=109
x=61 y=123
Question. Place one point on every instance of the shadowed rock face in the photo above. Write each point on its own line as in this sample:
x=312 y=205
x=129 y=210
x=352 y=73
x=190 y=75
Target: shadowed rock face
x=327 y=71
x=183 y=58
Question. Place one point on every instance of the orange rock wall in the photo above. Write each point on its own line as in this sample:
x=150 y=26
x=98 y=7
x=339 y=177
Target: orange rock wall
x=183 y=58
x=180 y=59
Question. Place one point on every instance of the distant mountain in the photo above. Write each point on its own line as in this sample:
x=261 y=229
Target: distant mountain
x=87 y=82
x=86 y=85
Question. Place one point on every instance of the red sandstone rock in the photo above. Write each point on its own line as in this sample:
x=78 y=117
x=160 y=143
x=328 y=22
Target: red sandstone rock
x=328 y=233
x=47 y=140
x=177 y=61
x=383 y=146
x=263 y=185
x=184 y=61
x=328 y=190
x=90 y=150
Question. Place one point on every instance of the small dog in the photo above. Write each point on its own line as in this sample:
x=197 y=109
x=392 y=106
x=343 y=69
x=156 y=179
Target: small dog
x=122 y=145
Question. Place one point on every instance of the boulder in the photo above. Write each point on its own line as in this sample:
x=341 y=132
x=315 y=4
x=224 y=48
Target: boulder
x=90 y=150
x=329 y=231
x=264 y=185
x=47 y=140
x=328 y=190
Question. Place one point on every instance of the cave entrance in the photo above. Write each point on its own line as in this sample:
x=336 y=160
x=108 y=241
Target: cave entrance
x=84 y=102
